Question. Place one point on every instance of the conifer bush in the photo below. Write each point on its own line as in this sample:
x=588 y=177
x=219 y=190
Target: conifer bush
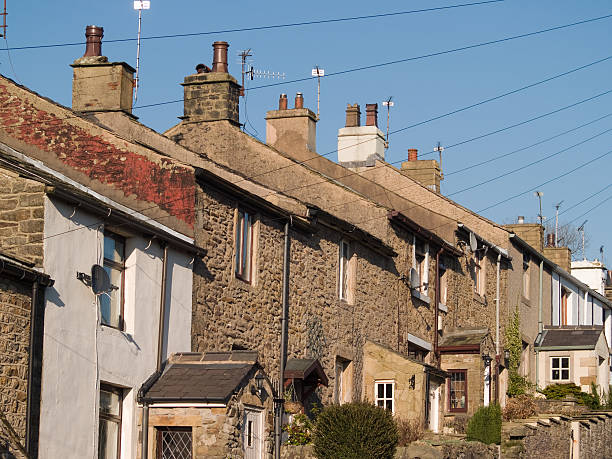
x=355 y=431
x=485 y=425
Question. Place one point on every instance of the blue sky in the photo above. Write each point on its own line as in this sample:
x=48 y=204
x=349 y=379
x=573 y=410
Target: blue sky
x=421 y=89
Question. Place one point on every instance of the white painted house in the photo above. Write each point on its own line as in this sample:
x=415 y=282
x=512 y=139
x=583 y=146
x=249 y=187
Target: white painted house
x=99 y=349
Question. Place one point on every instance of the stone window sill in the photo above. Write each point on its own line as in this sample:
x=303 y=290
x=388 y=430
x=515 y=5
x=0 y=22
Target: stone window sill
x=480 y=298
x=526 y=301
x=420 y=296
x=442 y=307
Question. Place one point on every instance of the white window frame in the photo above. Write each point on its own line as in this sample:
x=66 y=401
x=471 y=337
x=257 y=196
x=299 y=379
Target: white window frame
x=443 y=270
x=422 y=267
x=385 y=399
x=244 y=245
x=479 y=258
x=344 y=270
x=560 y=368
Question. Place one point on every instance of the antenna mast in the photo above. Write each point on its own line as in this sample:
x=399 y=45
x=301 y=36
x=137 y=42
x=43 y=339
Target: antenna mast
x=387 y=103
x=581 y=228
x=243 y=62
x=557 y=222
x=439 y=148
x=318 y=73
x=4 y=14
x=139 y=5
x=539 y=194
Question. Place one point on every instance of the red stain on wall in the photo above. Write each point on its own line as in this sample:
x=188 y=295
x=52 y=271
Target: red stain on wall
x=169 y=185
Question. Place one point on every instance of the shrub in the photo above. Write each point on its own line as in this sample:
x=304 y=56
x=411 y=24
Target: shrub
x=409 y=430
x=299 y=430
x=458 y=423
x=517 y=384
x=355 y=430
x=485 y=425
x=521 y=407
x=561 y=391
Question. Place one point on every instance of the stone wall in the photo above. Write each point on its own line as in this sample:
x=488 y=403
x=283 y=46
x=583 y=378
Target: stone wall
x=15 y=305
x=582 y=437
x=21 y=217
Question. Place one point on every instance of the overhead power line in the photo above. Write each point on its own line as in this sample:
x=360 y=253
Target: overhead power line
x=267 y=27
x=585 y=199
x=590 y=210
x=424 y=56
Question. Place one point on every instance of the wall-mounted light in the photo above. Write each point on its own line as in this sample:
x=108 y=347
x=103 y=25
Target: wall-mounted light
x=257 y=389
x=487 y=359
x=506 y=354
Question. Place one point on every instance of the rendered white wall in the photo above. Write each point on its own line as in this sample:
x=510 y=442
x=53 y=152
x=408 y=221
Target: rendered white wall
x=73 y=359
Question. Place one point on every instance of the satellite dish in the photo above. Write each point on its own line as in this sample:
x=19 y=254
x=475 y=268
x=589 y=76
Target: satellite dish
x=100 y=282
x=415 y=279
x=473 y=242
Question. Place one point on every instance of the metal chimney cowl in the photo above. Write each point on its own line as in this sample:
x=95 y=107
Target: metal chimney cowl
x=220 y=57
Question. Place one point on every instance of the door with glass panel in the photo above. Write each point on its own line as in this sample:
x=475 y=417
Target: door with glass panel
x=252 y=434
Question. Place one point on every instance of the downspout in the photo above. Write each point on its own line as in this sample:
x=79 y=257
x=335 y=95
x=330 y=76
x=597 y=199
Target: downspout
x=283 y=344
x=437 y=301
x=29 y=440
x=160 y=357
x=540 y=327
x=497 y=325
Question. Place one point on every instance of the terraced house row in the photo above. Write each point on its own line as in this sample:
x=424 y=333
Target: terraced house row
x=182 y=293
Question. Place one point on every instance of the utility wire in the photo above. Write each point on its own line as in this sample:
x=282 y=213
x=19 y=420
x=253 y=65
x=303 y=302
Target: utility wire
x=267 y=27
x=585 y=199
x=590 y=210
x=439 y=53
x=545 y=183
x=495 y=158
x=525 y=166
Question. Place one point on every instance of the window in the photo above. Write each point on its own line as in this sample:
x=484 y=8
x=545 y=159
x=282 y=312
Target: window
x=343 y=277
x=109 y=431
x=111 y=303
x=526 y=276
x=457 y=393
x=244 y=245
x=479 y=273
x=383 y=394
x=344 y=372
x=174 y=443
x=564 y=296
x=421 y=264
x=443 y=283
x=559 y=368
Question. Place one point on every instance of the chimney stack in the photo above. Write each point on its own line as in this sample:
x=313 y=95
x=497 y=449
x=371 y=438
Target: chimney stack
x=93 y=36
x=520 y=220
x=425 y=171
x=292 y=131
x=99 y=85
x=220 y=57
x=372 y=115
x=212 y=95
x=550 y=240
x=360 y=146
x=353 y=116
x=282 y=102
x=299 y=100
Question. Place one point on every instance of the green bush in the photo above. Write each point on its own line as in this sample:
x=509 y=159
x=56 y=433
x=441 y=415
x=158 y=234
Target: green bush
x=561 y=391
x=299 y=431
x=485 y=425
x=355 y=431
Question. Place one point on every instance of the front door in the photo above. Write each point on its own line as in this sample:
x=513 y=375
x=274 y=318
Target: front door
x=434 y=405
x=252 y=433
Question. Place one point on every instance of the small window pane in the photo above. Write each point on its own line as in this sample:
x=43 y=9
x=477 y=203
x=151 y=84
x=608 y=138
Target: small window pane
x=389 y=390
x=389 y=405
x=108 y=439
x=113 y=248
x=110 y=302
x=565 y=363
x=109 y=402
x=555 y=374
x=555 y=362
x=381 y=391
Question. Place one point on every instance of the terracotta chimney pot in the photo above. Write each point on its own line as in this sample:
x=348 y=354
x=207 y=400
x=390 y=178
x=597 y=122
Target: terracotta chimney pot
x=282 y=102
x=372 y=115
x=93 y=35
x=299 y=100
x=550 y=240
x=220 y=57
x=413 y=154
x=353 y=115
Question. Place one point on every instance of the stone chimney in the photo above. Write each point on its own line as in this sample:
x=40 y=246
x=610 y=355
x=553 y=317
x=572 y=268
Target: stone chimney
x=99 y=85
x=212 y=95
x=531 y=233
x=561 y=256
x=292 y=131
x=360 y=146
x=425 y=171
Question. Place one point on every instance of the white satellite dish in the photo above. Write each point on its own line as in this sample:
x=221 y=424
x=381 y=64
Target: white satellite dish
x=473 y=242
x=415 y=279
x=100 y=281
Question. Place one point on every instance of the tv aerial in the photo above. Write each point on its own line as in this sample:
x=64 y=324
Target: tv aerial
x=388 y=103
x=318 y=72
x=581 y=230
x=250 y=72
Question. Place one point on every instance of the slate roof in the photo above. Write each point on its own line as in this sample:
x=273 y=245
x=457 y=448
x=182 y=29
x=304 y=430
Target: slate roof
x=464 y=337
x=304 y=368
x=195 y=377
x=585 y=337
